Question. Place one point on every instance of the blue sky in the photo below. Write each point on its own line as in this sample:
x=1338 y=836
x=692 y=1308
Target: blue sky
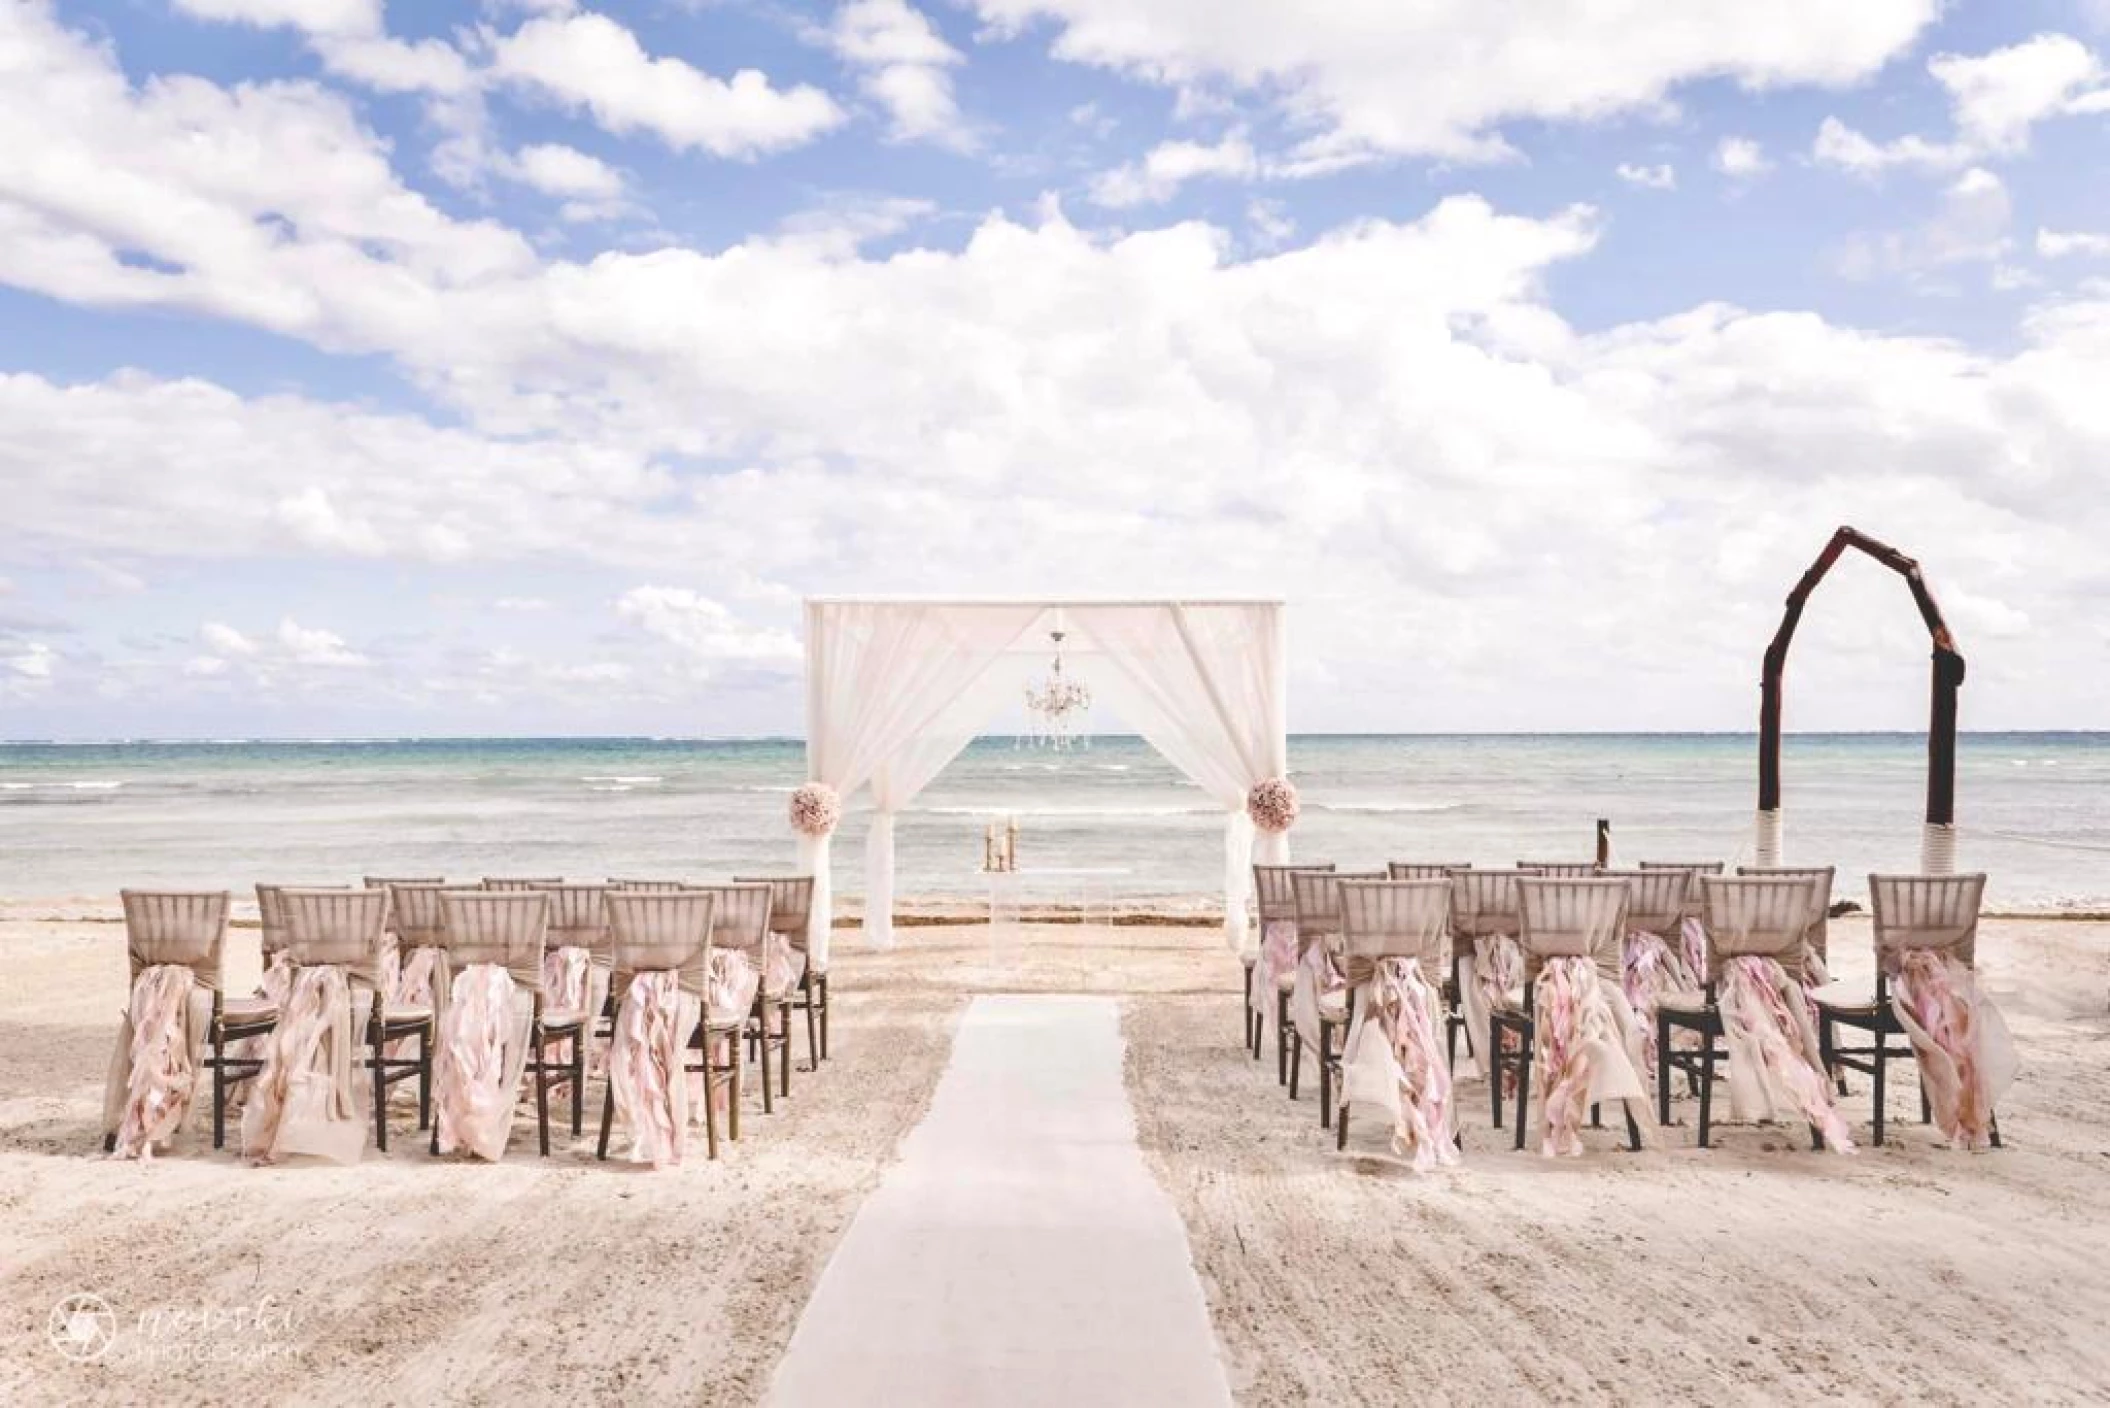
x=514 y=367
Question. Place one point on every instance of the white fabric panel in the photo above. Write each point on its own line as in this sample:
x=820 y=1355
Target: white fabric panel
x=1204 y=685
x=880 y=677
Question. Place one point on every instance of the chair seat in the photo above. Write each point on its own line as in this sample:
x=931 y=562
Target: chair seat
x=562 y=1018
x=248 y=1009
x=1846 y=997
x=1692 y=1002
x=1287 y=982
x=407 y=1013
x=1333 y=1006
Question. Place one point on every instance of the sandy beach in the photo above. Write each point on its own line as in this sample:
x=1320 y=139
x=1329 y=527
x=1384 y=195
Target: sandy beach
x=1743 y=1273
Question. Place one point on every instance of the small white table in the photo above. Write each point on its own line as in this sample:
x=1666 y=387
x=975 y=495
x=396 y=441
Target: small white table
x=1085 y=884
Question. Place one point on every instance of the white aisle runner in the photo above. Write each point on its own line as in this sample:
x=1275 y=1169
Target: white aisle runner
x=1020 y=1252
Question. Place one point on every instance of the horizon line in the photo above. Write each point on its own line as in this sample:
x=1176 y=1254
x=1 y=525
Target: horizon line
x=370 y=739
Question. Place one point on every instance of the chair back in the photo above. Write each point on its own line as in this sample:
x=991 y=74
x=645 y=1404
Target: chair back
x=509 y=928
x=1560 y=869
x=382 y=882
x=578 y=917
x=1696 y=869
x=1561 y=918
x=650 y=886
x=1820 y=918
x=1483 y=903
x=656 y=931
x=740 y=919
x=790 y=904
x=519 y=882
x=1765 y=916
x=180 y=928
x=414 y=914
x=1272 y=891
x=1396 y=919
x=1657 y=900
x=1925 y=911
x=1422 y=870
x=338 y=926
x=1315 y=896
x=271 y=917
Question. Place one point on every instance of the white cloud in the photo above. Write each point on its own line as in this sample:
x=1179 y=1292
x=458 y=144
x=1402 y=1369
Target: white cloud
x=1439 y=78
x=1995 y=99
x=34 y=663
x=588 y=61
x=904 y=64
x=306 y=645
x=2058 y=244
x=703 y=628
x=1272 y=224
x=520 y=603
x=559 y=170
x=1169 y=165
x=225 y=639
x=1660 y=177
x=1741 y=158
x=1969 y=226
x=335 y=17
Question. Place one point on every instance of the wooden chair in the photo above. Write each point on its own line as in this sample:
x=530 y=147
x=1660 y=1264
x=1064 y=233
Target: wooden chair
x=1404 y=919
x=1910 y=912
x=511 y=928
x=188 y=928
x=1316 y=898
x=1558 y=917
x=1560 y=869
x=741 y=923
x=671 y=931
x=1483 y=906
x=1422 y=870
x=503 y=883
x=270 y=917
x=578 y=918
x=649 y=886
x=790 y=919
x=1274 y=902
x=1817 y=938
x=349 y=929
x=1765 y=916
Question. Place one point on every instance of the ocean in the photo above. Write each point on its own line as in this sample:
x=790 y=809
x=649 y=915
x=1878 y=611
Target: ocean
x=82 y=820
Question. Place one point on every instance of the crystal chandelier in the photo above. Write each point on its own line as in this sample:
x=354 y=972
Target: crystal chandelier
x=1057 y=705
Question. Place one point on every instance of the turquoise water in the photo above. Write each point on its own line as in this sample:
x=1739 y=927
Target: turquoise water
x=83 y=820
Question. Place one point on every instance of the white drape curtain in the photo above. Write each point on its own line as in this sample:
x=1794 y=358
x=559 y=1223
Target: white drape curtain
x=894 y=691
x=883 y=682
x=1204 y=683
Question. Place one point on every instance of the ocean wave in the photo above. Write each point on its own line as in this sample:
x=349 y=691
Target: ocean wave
x=1064 y=813
x=626 y=783
x=784 y=789
x=1387 y=808
x=63 y=786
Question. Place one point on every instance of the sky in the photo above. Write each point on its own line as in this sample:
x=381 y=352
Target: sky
x=516 y=367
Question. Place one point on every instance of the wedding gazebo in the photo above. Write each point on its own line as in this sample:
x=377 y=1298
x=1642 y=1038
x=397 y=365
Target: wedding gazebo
x=897 y=686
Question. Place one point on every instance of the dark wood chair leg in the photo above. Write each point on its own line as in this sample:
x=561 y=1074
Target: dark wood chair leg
x=1325 y=1076
x=1827 y=1047
x=1282 y=1038
x=1662 y=1070
x=826 y=1007
x=1296 y=1062
x=219 y=1095
x=1340 y=1127
x=768 y=1100
x=578 y=1084
x=1523 y=1088
x=1706 y=1085
x=1633 y=1130
x=1596 y=1116
x=732 y=1104
x=1993 y=1128
x=1876 y=1079
x=425 y=1037
x=540 y=1053
x=379 y=1047
x=710 y=1102
x=813 y=1041
x=1493 y=1063
x=608 y=1110
x=784 y=1035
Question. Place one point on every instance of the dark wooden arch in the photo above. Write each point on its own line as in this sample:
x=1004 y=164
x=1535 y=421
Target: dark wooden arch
x=1947 y=676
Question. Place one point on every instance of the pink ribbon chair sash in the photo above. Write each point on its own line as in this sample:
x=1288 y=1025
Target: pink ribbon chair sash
x=482 y=1051
x=1966 y=1057
x=645 y=1066
x=1775 y=1068
x=1585 y=1047
x=157 y=1060
x=307 y=1099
